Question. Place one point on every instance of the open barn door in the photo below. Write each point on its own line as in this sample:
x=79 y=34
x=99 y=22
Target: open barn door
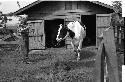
x=36 y=35
x=102 y=22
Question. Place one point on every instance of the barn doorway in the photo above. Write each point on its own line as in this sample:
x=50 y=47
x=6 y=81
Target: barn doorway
x=51 y=30
x=90 y=23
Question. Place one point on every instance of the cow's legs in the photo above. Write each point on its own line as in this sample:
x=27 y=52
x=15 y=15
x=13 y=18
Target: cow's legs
x=76 y=50
x=78 y=56
x=72 y=45
x=79 y=48
x=80 y=45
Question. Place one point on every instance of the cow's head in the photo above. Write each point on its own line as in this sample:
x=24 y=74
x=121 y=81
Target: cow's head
x=62 y=31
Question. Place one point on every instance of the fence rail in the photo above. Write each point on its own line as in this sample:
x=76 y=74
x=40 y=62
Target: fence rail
x=119 y=37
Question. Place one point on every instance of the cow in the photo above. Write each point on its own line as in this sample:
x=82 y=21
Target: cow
x=76 y=31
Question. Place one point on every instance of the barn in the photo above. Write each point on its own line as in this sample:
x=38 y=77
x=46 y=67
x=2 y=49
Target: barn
x=45 y=16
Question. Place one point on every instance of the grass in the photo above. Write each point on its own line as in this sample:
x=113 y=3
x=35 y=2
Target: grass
x=51 y=65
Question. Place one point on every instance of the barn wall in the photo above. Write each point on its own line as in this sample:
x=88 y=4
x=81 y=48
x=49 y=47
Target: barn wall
x=47 y=8
x=44 y=9
x=67 y=10
x=88 y=7
x=36 y=35
x=102 y=23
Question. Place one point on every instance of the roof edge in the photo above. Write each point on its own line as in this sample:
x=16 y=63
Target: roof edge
x=27 y=7
x=38 y=1
x=105 y=5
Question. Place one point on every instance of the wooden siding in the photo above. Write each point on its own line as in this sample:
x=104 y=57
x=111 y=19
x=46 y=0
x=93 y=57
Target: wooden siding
x=92 y=8
x=111 y=59
x=107 y=57
x=47 y=8
x=36 y=28
x=36 y=43
x=102 y=23
x=67 y=10
x=103 y=20
x=36 y=35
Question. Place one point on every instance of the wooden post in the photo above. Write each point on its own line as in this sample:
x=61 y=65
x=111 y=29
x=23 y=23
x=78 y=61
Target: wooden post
x=110 y=49
x=99 y=77
x=107 y=49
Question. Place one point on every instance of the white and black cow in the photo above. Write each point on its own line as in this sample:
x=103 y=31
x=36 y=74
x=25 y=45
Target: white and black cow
x=76 y=32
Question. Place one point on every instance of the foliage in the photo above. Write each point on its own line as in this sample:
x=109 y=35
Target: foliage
x=118 y=6
x=117 y=19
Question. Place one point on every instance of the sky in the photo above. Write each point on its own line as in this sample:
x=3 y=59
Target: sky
x=7 y=6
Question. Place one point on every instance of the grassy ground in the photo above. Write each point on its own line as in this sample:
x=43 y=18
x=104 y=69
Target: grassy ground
x=51 y=65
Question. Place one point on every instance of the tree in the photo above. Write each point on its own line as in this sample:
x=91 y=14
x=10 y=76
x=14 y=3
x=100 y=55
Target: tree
x=117 y=4
x=117 y=19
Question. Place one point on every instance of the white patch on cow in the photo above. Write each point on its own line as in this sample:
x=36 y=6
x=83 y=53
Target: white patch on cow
x=80 y=34
x=76 y=28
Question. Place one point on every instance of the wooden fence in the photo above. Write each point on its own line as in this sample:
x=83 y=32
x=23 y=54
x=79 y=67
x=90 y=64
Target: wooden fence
x=117 y=21
x=119 y=37
x=106 y=60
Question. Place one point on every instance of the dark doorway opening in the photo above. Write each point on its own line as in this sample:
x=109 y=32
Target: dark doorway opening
x=90 y=23
x=51 y=31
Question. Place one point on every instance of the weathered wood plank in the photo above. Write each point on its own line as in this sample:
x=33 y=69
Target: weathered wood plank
x=99 y=63
x=36 y=35
x=36 y=43
x=36 y=27
x=19 y=41
x=5 y=37
x=102 y=21
x=110 y=49
x=74 y=5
